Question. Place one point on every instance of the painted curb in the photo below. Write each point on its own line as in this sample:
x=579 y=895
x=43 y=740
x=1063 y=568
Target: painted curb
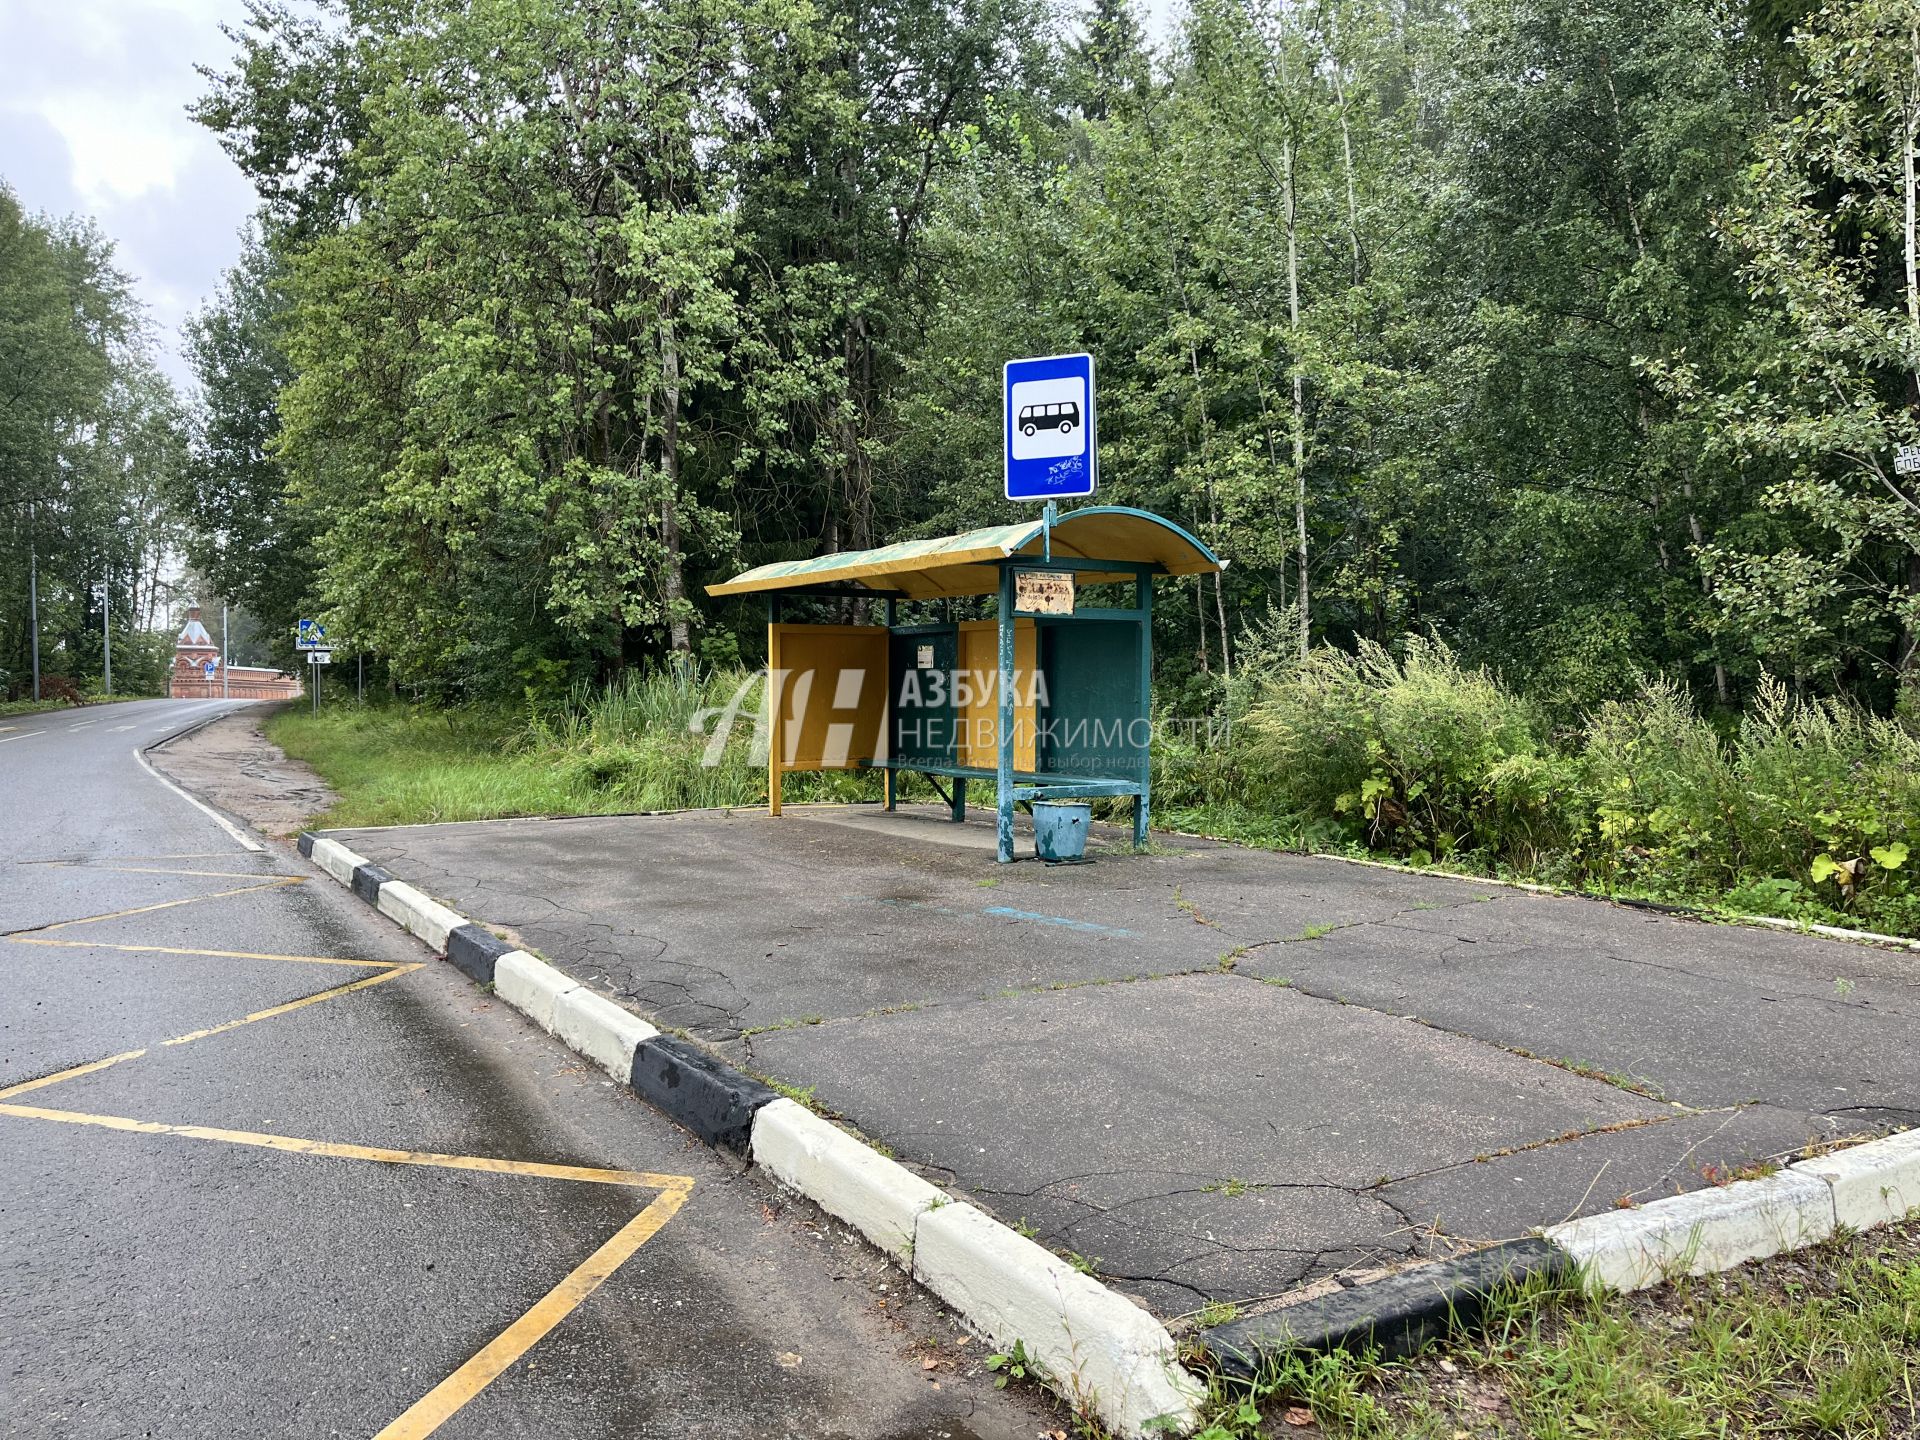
x=426 y=918
x=593 y=1026
x=852 y=1182
x=531 y=986
x=338 y=861
x=1873 y=1184
x=1398 y=1314
x=476 y=951
x=1698 y=1233
x=706 y=1095
x=366 y=882
x=1097 y=1348
x=1093 y=1346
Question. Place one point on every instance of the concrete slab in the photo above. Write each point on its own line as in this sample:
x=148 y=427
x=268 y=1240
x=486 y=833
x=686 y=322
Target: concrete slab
x=1091 y=1049
x=1712 y=1014
x=1206 y=1134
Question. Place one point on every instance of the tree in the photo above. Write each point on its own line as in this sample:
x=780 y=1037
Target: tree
x=1830 y=242
x=89 y=434
x=245 y=539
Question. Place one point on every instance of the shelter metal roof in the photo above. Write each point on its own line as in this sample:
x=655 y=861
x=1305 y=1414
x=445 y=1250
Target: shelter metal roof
x=969 y=563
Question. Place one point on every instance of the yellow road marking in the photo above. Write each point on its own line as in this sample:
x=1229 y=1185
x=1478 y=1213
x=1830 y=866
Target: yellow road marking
x=212 y=954
x=274 y=883
x=434 y=1408
x=293 y=1005
x=74 y=1074
x=293 y=1144
x=159 y=870
x=182 y=855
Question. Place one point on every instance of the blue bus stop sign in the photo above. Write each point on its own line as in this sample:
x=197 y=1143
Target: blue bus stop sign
x=1051 y=445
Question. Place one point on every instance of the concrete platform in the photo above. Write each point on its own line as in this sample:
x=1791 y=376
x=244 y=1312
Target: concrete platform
x=1214 y=1073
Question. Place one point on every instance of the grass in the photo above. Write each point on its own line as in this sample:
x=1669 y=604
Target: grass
x=1824 y=1342
x=31 y=707
x=638 y=745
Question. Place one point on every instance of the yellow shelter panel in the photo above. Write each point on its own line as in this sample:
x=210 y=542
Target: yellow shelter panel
x=831 y=712
x=978 y=682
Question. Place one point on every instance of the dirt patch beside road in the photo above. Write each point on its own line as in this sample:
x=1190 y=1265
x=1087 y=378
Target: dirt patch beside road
x=232 y=764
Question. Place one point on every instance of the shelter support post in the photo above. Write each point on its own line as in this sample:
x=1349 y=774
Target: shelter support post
x=888 y=779
x=1143 y=599
x=776 y=732
x=1005 y=727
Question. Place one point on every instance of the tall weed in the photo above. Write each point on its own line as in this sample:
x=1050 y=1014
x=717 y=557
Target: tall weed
x=1416 y=754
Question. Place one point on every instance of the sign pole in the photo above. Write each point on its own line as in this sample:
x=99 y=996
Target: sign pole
x=33 y=596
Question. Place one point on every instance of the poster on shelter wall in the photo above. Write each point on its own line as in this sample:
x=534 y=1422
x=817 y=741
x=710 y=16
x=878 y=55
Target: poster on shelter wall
x=1042 y=592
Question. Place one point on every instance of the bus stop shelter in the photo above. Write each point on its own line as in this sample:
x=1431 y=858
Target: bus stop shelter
x=1048 y=699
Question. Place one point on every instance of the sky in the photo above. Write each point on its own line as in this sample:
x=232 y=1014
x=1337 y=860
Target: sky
x=93 y=97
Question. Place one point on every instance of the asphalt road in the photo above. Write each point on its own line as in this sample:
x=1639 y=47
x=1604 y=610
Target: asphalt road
x=267 y=1168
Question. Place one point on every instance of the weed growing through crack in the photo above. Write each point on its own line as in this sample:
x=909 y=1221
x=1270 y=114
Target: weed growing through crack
x=1215 y=1312
x=785 y=1022
x=1233 y=1187
x=1311 y=932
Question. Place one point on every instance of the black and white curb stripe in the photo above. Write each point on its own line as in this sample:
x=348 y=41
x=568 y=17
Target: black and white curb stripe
x=1098 y=1349
x=1704 y=1231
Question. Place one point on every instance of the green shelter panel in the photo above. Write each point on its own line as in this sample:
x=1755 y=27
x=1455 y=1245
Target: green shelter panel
x=925 y=727
x=1095 y=721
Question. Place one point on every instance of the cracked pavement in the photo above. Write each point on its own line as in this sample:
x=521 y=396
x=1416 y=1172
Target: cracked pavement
x=1216 y=1074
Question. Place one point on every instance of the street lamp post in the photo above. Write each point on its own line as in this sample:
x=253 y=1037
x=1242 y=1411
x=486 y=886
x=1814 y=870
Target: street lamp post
x=104 y=590
x=33 y=600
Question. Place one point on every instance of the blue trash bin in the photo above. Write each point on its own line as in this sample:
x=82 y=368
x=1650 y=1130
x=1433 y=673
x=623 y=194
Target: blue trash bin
x=1060 y=829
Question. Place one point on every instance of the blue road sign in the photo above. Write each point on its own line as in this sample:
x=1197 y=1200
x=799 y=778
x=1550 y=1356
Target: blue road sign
x=312 y=636
x=1051 y=441
x=210 y=667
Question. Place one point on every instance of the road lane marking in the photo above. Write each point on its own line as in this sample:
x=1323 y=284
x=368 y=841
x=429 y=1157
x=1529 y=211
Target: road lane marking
x=245 y=841
x=334 y=1150
x=73 y=1074
x=118 y=728
x=23 y=735
x=81 y=726
x=210 y=954
x=153 y=870
x=292 y=1005
x=493 y=1359
x=439 y=1404
x=272 y=883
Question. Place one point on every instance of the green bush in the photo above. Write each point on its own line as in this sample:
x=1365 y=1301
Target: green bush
x=1811 y=805
x=1416 y=755
x=1806 y=810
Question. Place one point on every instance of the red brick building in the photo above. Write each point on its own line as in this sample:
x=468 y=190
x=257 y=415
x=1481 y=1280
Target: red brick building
x=197 y=674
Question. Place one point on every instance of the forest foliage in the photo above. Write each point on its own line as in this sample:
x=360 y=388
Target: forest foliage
x=93 y=443
x=1577 y=338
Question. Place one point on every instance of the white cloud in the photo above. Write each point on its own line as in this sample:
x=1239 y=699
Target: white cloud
x=93 y=97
